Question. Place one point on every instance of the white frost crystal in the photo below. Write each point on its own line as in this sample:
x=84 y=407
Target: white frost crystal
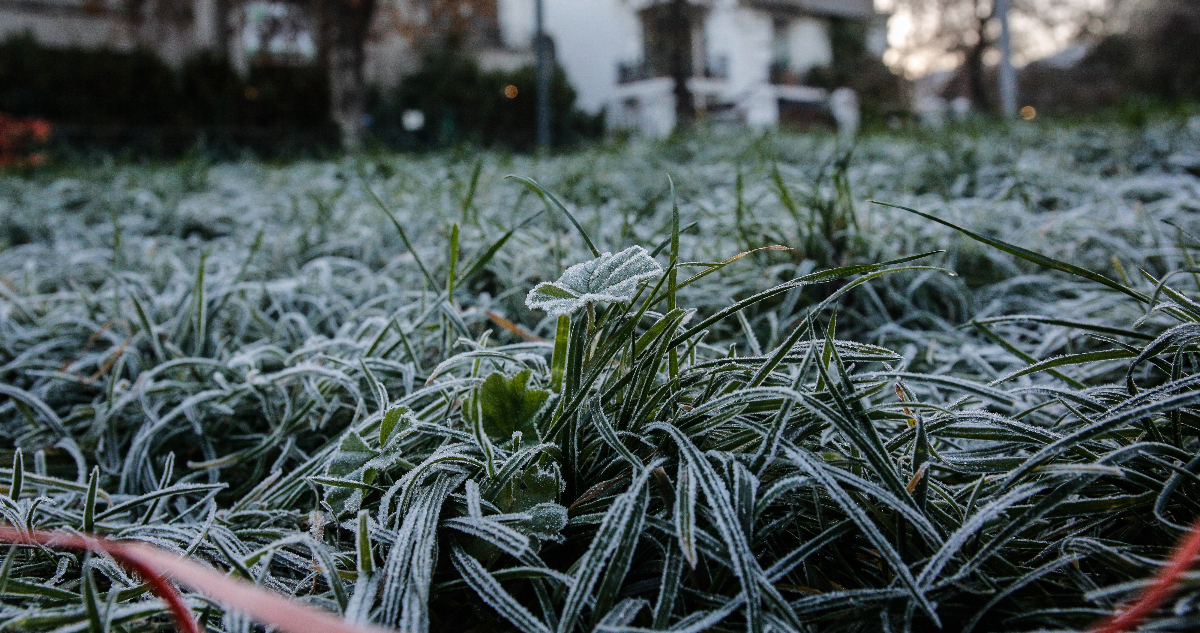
x=607 y=278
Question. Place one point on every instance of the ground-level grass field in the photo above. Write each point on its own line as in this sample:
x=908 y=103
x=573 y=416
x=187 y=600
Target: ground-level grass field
x=688 y=386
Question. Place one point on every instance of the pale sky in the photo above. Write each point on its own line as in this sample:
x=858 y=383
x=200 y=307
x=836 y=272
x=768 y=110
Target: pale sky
x=1032 y=40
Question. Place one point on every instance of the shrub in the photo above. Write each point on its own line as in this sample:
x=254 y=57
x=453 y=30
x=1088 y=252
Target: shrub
x=464 y=103
x=91 y=87
x=881 y=93
x=105 y=87
x=1155 y=60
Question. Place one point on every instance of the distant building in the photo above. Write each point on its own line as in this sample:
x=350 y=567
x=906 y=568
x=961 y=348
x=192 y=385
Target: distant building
x=748 y=61
x=175 y=30
x=250 y=31
x=748 y=58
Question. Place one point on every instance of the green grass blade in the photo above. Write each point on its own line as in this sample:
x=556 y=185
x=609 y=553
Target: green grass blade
x=89 y=502
x=1067 y=323
x=684 y=515
x=492 y=593
x=549 y=198
x=1064 y=360
x=668 y=588
x=88 y=592
x=362 y=536
x=673 y=279
x=1031 y=256
x=18 y=475
x=403 y=236
x=558 y=362
x=629 y=508
x=816 y=469
x=452 y=261
x=1012 y=349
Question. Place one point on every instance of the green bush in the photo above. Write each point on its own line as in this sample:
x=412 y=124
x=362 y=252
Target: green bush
x=882 y=94
x=93 y=87
x=464 y=103
x=287 y=96
x=86 y=87
x=1165 y=60
x=1151 y=66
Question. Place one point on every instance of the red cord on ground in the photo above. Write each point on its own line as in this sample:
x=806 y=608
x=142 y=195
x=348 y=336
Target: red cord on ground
x=160 y=586
x=1160 y=591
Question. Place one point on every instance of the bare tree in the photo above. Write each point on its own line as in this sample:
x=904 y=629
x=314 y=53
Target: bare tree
x=152 y=21
x=344 y=25
x=223 y=9
x=969 y=31
x=668 y=50
x=679 y=17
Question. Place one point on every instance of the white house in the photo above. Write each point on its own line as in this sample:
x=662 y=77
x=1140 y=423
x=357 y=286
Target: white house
x=188 y=26
x=748 y=58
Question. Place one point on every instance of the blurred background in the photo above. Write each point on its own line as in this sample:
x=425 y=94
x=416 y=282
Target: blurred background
x=164 y=77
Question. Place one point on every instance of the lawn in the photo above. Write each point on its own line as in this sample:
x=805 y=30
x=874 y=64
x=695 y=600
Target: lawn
x=705 y=384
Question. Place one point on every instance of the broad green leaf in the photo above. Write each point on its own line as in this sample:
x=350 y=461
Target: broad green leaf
x=545 y=523
x=397 y=419
x=348 y=463
x=609 y=278
x=508 y=406
x=538 y=484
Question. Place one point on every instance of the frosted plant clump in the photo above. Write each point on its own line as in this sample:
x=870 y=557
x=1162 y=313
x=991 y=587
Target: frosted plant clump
x=244 y=358
x=609 y=277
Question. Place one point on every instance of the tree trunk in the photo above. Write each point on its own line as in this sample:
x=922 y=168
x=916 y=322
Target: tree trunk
x=222 y=10
x=977 y=83
x=345 y=26
x=681 y=62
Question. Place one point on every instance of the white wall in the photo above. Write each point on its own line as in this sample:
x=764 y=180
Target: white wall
x=752 y=32
x=73 y=26
x=808 y=44
x=388 y=58
x=75 y=29
x=207 y=28
x=591 y=37
x=516 y=19
x=877 y=36
x=594 y=36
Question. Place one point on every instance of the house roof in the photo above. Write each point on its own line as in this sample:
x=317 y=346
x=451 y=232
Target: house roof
x=832 y=8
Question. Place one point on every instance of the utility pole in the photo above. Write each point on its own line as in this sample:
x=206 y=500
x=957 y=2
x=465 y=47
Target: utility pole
x=541 y=49
x=1008 y=76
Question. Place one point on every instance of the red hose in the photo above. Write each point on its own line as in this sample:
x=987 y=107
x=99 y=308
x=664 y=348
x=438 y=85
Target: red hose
x=1160 y=590
x=184 y=622
x=155 y=565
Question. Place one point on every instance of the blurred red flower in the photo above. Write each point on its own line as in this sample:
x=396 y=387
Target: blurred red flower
x=19 y=137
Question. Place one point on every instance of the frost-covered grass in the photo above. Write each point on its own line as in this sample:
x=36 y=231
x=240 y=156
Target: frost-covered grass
x=268 y=368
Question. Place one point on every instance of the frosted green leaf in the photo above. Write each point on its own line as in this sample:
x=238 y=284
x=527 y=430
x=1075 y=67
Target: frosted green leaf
x=610 y=277
x=508 y=405
x=544 y=521
x=397 y=422
x=349 y=462
x=535 y=486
